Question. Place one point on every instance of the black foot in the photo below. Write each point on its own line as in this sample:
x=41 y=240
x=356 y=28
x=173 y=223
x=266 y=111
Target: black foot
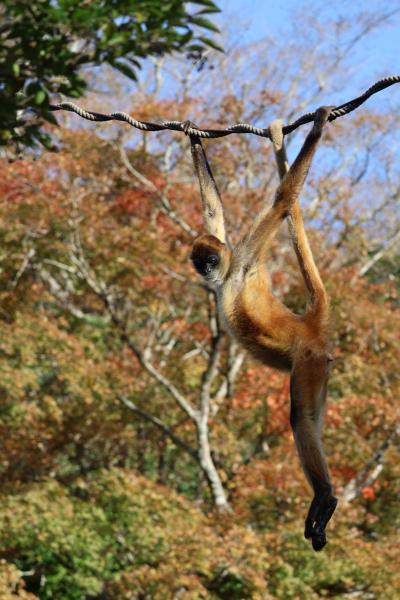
x=321 y=510
x=318 y=541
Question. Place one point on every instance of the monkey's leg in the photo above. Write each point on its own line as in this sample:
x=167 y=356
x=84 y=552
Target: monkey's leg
x=308 y=393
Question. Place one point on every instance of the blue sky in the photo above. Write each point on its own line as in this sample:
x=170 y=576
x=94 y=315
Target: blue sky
x=375 y=56
x=378 y=53
x=245 y=21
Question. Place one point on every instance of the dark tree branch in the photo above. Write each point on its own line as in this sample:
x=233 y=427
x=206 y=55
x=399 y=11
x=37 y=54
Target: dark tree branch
x=160 y=424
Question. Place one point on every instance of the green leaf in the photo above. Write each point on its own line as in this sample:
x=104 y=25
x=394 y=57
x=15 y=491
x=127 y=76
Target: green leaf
x=74 y=93
x=205 y=23
x=49 y=116
x=40 y=97
x=207 y=3
x=5 y=135
x=211 y=43
x=126 y=70
x=134 y=62
x=207 y=11
x=118 y=38
x=195 y=48
x=46 y=141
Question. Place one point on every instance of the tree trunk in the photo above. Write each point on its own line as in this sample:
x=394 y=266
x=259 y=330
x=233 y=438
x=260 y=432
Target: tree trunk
x=207 y=464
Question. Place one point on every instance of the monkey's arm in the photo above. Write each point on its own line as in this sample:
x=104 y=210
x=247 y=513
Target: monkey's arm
x=288 y=191
x=318 y=297
x=213 y=213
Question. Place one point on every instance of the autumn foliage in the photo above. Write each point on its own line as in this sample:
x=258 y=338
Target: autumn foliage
x=106 y=333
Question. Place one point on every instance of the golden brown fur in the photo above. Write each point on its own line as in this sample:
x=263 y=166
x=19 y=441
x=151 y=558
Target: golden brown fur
x=265 y=327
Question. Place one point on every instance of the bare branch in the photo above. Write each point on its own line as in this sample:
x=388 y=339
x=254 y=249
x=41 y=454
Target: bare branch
x=59 y=292
x=24 y=265
x=160 y=424
x=378 y=255
x=235 y=360
x=365 y=477
x=165 y=383
x=213 y=359
x=166 y=207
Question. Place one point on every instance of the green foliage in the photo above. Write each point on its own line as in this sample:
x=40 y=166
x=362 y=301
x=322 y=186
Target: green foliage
x=119 y=530
x=44 y=45
x=387 y=268
x=117 y=533
x=305 y=574
x=56 y=538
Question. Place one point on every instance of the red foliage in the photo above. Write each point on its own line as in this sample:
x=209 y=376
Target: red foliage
x=368 y=493
x=133 y=202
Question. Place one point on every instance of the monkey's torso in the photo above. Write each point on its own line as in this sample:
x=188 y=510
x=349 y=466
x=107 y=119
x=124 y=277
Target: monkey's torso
x=260 y=322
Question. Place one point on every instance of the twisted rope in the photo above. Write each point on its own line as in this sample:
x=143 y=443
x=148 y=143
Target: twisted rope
x=338 y=111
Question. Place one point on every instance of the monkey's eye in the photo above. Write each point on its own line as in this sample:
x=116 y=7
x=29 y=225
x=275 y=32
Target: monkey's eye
x=213 y=260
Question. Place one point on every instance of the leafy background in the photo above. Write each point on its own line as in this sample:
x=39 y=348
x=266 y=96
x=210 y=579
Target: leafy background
x=105 y=328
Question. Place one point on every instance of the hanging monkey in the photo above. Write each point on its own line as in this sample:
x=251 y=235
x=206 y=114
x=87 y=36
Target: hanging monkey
x=261 y=323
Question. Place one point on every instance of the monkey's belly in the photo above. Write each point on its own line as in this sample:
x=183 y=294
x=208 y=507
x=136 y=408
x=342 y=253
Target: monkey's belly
x=260 y=345
x=262 y=324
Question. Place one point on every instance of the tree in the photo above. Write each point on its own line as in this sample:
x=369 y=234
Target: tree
x=95 y=241
x=44 y=45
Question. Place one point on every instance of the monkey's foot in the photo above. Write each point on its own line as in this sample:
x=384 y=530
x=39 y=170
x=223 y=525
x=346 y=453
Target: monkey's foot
x=321 y=510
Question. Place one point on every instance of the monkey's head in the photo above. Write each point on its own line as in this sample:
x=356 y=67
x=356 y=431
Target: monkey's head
x=211 y=258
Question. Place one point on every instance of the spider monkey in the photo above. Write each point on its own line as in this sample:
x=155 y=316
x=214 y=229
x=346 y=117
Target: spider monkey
x=261 y=323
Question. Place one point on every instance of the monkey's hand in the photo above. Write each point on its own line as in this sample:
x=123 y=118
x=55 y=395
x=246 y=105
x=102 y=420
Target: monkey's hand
x=321 y=116
x=186 y=125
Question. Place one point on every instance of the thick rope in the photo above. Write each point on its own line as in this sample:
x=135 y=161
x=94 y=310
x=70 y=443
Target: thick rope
x=339 y=111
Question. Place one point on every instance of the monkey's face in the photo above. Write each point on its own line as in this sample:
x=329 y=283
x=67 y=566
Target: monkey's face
x=205 y=263
x=207 y=256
